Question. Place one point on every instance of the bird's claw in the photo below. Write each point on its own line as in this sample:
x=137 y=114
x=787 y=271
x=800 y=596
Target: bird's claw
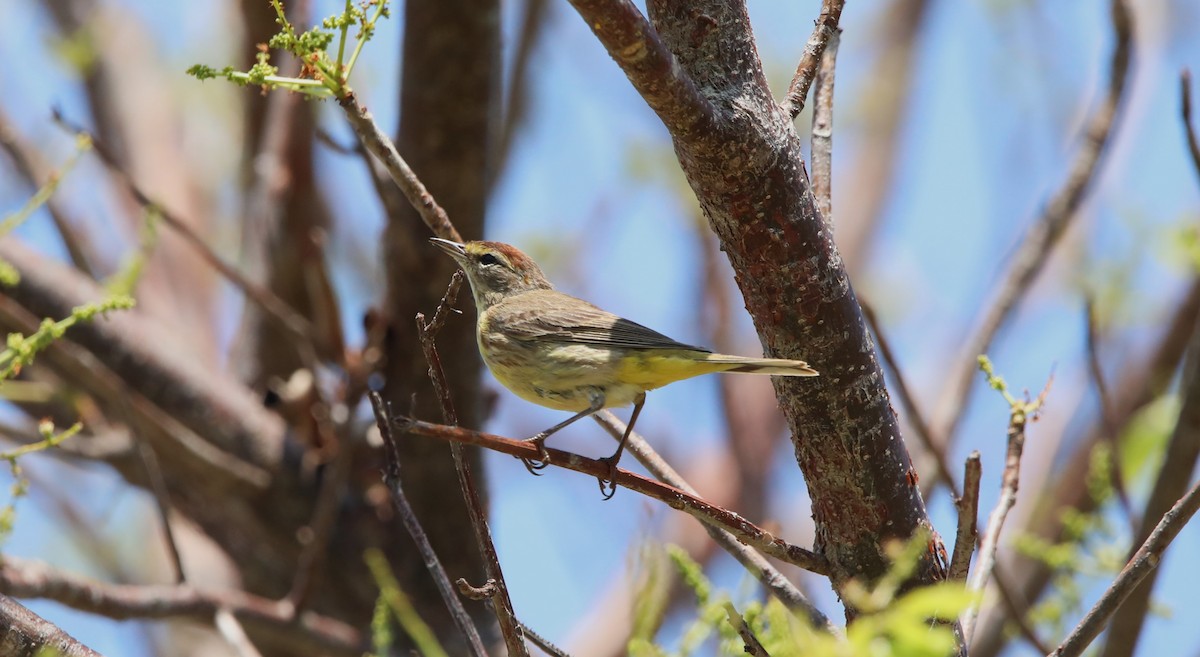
x=533 y=465
x=608 y=484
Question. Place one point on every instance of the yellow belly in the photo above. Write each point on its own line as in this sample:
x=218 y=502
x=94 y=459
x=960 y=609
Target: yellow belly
x=565 y=377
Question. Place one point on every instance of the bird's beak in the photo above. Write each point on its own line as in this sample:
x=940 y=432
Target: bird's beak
x=454 y=249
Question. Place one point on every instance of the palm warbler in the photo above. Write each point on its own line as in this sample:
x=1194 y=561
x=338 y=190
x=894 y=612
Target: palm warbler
x=564 y=353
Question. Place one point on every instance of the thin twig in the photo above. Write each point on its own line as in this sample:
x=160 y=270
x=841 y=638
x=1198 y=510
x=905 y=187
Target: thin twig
x=541 y=642
x=1045 y=232
x=1017 y=613
x=822 y=130
x=751 y=644
x=1170 y=482
x=392 y=478
x=501 y=601
x=916 y=419
x=754 y=562
x=234 y=634
x=826 y=28
x=1144 y=561
x=1185 y=109
x=1020 y=414
x=162 y=500
x=309 y=634
x=292 y=321
x=323 y=522
x=1144 y=377
x=1108 y=423
x=746 y=531
x=968 y=517
x=378 y=143
x=31 y=166
x=533 y=20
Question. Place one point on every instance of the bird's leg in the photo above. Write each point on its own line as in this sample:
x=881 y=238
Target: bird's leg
x=608 y=486
x=595 y=398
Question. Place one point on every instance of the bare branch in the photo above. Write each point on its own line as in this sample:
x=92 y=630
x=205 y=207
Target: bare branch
x=233 y=633
x=635 y=45
x=392 y=478
x=541 y=642
x=745 y=531
x=1185 y=109
x=310 y=634
x=1144 y=561
x=1107 y=416
x=378 y=143
x=141 y=354
x=25 y=634
x=1145 y=376
x=30 y=165
x=501 y=601
x=968 y=516
x=1046 y=230
x=822 y=129
x=825 y=30
x=770 y=577
x=162 y=500
x=288 y=318
x=1020 y=414
x=1182 y=452
x=752 y=646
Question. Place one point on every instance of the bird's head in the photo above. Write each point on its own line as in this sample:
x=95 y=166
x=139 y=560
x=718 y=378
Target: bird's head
x=495 y=270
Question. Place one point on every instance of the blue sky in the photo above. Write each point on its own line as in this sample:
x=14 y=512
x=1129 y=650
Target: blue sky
x=1000 y=92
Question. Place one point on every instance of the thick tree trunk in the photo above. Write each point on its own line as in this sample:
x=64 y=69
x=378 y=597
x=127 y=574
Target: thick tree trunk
x=698 y=68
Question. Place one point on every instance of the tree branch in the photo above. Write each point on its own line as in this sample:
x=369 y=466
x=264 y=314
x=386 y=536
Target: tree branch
x=825 y=31
x=636 y=47
x=754 y=562
x=310 y=634
x=391 y=477
x=1144 y=561
x=25 y=634
x=745 y=531
x=968 y=514
x=378 y=143
x=501 y=601
x=1020 y=414
x=1182 y=452
x=1045 y=232
x=822 y=125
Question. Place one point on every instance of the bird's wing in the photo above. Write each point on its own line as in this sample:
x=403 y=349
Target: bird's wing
x=568 y=320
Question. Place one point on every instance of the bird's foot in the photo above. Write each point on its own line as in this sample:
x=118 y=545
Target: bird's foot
x=532 y=465
x=608 y=483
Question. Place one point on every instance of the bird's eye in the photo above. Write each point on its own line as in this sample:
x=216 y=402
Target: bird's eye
x=488 y=259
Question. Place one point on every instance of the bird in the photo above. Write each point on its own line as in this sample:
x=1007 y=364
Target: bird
x=564 y=353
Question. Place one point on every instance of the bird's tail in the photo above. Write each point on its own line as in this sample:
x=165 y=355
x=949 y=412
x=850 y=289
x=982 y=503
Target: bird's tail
x=776 y=366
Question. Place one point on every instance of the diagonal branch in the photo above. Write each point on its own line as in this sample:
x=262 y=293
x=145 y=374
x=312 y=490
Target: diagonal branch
x=1144 y=561
x=25 y=634
x=825 y=31
x=770 y=577
x=1046 y=231
x=635 y=45
x=745 y=531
